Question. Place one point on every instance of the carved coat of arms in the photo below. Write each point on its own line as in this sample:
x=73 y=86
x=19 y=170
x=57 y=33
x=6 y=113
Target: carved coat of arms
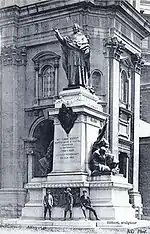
x=67 y=118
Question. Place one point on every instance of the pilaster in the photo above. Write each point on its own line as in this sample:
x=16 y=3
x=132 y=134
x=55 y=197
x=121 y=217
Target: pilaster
x=113 y=50
x=135 y=195
x=29 y=151
x=13 y=61
x=12 y=64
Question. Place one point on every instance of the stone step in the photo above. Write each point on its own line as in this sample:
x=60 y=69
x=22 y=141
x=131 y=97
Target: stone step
x=22 y=226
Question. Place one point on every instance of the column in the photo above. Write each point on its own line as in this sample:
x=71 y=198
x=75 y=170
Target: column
x=13 y=66
x=56 y=67
x=36 y=82
x=30 y=154
x=135 y=195
x=29 y=150
x=114 y=48
x=12 y=115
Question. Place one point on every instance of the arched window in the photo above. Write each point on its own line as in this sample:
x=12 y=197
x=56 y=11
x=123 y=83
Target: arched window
x=124 y=87
x=48 y=78
x=97 y=82
x=46 y=65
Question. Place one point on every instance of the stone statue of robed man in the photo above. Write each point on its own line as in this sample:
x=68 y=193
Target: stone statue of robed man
x=76 y=57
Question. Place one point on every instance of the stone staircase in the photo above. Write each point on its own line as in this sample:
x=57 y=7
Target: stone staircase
x=23 y=226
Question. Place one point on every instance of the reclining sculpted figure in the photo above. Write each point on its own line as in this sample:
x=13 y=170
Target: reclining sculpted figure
x=101 y=160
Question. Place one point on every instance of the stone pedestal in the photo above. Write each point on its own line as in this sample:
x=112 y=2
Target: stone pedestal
x=71 y=150
x=109 y=194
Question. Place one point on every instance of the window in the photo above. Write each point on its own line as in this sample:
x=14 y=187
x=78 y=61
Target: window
x=46 y=65
x=124 y=87
x=97 y=82
x=48 y=78
x=123 y=164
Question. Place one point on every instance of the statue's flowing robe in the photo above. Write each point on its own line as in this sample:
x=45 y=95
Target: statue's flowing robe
x=76 y=54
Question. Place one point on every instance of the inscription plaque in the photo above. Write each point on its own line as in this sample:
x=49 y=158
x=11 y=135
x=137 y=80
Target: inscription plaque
x=67 y=147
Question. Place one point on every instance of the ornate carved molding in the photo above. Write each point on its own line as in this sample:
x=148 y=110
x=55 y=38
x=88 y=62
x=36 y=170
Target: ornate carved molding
x=138 y=62
x=9 y=12
x=46 y=64
x=125 y=111
x=12 y=55
x=44 y=56
x=57 y=185
x=127 y=65
x=115 y=47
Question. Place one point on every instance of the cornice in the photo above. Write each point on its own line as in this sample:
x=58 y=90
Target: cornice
x=125 y=142
x=126 y=111
x=9 y=12
x=57 y=5
x=144 y=140
x=145 y=87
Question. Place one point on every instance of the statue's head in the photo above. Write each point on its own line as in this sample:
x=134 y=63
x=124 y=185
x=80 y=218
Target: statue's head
x=76 y=28
x=48 y=192
x=102 y=150
x=105 y=143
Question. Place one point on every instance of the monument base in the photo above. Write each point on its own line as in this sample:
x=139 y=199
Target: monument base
x=108 y=193
x=55 y=226
x=67 y=177
x=109 y=196
x=136 y=201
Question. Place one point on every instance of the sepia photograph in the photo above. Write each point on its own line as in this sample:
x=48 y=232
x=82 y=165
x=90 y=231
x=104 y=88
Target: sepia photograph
x=74 y=116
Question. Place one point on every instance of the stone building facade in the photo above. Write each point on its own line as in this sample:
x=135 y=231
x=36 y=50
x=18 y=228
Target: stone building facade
x=32 y=76
x=145 y=116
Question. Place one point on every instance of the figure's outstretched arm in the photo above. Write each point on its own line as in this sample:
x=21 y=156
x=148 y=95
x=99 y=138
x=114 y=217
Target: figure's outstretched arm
x=58 y=35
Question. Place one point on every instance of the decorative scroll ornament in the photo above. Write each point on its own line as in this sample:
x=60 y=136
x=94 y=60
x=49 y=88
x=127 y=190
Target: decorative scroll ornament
x=115 y=47
x=12 y=55
x=138 y=62
x=67 y=118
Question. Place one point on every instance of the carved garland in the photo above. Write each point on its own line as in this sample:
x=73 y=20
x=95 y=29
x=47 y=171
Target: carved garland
x=115 y=47
x=138 y=62
x=12 y=55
